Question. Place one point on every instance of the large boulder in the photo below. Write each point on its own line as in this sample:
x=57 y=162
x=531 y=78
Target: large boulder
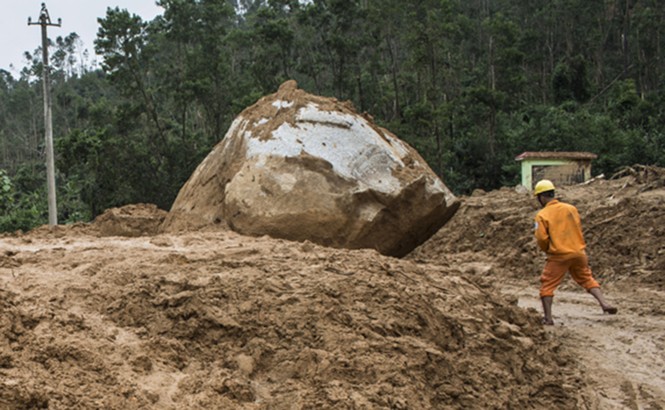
x=303 y=167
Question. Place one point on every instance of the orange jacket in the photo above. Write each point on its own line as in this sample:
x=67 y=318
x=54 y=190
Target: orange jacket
x=558 y=229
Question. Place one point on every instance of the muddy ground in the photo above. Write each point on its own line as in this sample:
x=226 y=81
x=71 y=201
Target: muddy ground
x=113 y=315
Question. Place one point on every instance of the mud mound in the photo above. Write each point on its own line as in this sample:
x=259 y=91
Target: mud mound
x=217 y=320
x=496 y=227
x=49 y=361
x=623 y=222
x=130 y=220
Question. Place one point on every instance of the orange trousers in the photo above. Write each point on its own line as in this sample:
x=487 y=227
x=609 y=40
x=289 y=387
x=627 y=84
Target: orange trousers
x=557 y=266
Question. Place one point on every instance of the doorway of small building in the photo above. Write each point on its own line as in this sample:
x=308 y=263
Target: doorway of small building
x=566 y=174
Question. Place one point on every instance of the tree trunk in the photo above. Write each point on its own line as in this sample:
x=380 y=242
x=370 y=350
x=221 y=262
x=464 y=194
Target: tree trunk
x=492 y=73
x=393 y=68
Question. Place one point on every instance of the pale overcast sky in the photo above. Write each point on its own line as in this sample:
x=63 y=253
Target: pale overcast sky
x=79 y=16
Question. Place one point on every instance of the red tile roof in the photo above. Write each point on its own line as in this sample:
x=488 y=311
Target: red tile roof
x=556 y=155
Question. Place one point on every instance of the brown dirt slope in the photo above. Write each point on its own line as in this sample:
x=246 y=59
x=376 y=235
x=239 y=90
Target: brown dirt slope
x=623 y=221
x=217 y=320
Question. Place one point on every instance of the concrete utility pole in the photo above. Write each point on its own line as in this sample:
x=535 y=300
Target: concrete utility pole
x=45 y=21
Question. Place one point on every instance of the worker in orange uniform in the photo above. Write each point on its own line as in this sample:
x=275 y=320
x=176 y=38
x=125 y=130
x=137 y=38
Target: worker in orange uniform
x=558 y=231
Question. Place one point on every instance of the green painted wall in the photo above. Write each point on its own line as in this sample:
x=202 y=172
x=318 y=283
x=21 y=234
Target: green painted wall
x=528 y=164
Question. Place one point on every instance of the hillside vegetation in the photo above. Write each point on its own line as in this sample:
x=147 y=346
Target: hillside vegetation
x=470 y=84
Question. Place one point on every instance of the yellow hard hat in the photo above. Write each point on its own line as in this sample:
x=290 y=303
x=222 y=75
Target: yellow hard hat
x=543 y=186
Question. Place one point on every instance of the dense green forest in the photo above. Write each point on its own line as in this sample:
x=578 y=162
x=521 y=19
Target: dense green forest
x=469 y=83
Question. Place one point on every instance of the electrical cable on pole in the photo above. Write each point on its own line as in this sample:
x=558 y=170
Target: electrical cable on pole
x=45 y=21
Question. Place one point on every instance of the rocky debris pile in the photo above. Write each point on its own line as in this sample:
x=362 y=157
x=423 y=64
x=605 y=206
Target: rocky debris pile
x=648 y=177
x=623 y=221
x=218 y=320
x=303 y=167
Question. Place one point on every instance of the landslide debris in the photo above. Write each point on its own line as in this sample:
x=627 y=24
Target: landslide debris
x=623 y=220
x=214 y=319
x=218 y=320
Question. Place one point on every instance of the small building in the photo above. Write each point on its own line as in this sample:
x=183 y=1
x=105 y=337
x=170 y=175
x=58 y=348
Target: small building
x=562 y=168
